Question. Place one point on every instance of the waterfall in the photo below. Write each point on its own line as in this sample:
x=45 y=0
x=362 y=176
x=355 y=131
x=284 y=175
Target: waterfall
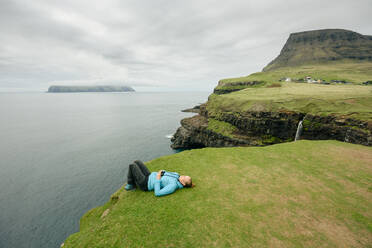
x=299 y=130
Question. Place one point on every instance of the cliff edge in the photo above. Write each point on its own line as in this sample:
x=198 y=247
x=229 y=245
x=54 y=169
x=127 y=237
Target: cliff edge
x=269 y=115
x=298 y=194
x=321 y=79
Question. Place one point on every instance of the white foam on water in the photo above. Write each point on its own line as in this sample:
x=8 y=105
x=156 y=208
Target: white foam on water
x=169 y=136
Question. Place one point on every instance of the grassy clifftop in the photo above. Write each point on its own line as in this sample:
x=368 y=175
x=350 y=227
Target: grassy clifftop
x=307 y=193
x=330 y=56
x=349 y=100
x=297 y=194
x=347 y=70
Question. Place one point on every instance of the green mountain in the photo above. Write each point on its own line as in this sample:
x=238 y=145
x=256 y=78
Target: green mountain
x=322 y=78
x=323 y=46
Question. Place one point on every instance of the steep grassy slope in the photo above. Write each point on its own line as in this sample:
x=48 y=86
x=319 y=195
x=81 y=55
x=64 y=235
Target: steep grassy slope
x=347 y=70
x=349 y=100
x=322 y=45
x=302 y=194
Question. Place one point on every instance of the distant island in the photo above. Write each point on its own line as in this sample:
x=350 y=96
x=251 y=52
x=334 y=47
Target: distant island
x=92 y=88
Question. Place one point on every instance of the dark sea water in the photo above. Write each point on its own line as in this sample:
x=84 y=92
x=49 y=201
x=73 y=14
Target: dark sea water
x=63 y=154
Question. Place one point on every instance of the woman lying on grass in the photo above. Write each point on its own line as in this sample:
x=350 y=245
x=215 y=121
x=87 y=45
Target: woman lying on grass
x=162 y=182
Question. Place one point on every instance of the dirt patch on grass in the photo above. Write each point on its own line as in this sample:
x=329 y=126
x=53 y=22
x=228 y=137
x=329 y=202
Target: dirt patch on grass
x=350 y=187
x=314 y=229
x=274 y=242
x=353 y=155
x=229 y=166
x=338 y=233
x=350 y=101
x=257 y=107
x=274 y=85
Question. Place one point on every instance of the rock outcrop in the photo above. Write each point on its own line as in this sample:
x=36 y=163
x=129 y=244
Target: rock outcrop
x=194 y=133
x=322 y=46
x=257 y=128
x=195 y=109
x=262 y=127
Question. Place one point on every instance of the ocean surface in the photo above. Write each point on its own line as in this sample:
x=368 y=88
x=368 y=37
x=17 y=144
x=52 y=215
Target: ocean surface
x=62 y=154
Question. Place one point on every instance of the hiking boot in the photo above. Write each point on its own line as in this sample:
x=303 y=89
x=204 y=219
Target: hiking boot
x=129 y=187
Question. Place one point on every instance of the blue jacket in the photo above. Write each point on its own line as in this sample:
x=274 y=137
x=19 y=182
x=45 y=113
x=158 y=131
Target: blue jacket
x=167 y=184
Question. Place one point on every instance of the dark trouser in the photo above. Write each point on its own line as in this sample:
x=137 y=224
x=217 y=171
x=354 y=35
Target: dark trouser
x=138 y=174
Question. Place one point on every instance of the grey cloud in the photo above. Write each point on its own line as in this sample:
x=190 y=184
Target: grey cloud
x=184 y=43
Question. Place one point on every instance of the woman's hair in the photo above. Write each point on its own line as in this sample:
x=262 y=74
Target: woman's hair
x=190 y=184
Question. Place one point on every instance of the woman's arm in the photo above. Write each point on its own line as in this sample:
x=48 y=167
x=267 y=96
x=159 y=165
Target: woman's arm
x=169 y=189
x=158 y=176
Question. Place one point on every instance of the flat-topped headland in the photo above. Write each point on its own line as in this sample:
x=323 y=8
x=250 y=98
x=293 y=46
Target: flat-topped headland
x=325 y=45
x=89 y=88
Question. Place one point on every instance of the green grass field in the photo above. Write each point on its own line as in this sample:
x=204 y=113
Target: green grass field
x=300 y=194
x=350 y=71
x=349 y=100
x=221 y=127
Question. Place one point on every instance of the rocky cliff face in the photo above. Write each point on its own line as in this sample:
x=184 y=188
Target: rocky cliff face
x=259 y=128
x=265 y=128
x=194 y=133
x=322 y=46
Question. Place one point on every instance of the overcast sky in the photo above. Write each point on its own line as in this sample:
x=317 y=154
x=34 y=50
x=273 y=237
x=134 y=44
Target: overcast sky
x=165 y=44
